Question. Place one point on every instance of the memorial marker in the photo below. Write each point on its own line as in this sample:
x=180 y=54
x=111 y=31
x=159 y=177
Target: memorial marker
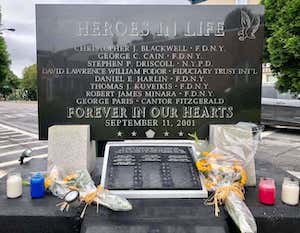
x=148 y=169
x=160 y=72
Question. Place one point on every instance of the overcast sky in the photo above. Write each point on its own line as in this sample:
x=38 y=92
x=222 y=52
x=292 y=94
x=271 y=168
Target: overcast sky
x=20 y=14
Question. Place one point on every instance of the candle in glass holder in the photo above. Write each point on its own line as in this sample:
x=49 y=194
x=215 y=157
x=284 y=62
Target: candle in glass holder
x=14 y=185
x=267 y=191
x=37 y=186
x=290 y=191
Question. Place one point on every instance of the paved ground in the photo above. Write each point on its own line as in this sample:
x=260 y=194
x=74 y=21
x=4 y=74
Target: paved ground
x=14 y=141
x=22 y=115
x=19 y=128
x=281 y=146
x=18 y=131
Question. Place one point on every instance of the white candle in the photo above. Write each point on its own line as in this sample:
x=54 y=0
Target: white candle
x=14 y=185
x=290 y=191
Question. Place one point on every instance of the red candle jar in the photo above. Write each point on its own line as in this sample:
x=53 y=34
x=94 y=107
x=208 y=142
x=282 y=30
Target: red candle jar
x=267 y=191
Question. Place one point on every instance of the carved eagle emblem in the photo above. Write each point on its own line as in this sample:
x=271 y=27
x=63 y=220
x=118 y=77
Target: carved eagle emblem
x=249 y=26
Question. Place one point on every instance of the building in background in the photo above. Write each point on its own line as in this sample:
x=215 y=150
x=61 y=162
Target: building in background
x=267 y=75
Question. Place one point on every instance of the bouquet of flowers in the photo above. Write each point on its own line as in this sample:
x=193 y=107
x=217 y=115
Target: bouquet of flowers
x=223 y=167
x=60 y=184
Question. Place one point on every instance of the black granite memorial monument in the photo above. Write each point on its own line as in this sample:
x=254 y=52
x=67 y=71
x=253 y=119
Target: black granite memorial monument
x=159 y=72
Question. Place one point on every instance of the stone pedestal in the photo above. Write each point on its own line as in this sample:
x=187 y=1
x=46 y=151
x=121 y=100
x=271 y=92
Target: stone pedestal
x=71 y=148
x=217 y=138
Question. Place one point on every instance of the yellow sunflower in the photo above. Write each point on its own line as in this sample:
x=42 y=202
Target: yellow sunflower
x=203 y=166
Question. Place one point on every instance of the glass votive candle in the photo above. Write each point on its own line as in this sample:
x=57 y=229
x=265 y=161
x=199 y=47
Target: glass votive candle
x=267 y=191
x=14 y=185
x=290 y=191
x=37 y=186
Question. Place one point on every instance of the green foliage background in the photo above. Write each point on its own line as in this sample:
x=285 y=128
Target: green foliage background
x=29 y=81
x=11 y=87
x=8 y=80
x=4 y=60
x=9 y=84
x=282 y=47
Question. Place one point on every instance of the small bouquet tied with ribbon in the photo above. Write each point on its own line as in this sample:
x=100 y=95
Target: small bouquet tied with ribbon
x=223 y=166
x=78 y=187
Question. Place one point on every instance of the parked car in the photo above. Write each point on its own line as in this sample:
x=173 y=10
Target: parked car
x=279 y=108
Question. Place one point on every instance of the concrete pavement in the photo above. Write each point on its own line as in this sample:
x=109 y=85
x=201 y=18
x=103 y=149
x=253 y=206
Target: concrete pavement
x=282 y=148
x=18 y=132
x=22 y=115
x=14 y=141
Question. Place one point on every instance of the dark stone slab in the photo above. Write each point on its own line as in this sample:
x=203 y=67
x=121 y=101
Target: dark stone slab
x=158 y=215
x=159 y=71
x=26 y=215
x=152 y=215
